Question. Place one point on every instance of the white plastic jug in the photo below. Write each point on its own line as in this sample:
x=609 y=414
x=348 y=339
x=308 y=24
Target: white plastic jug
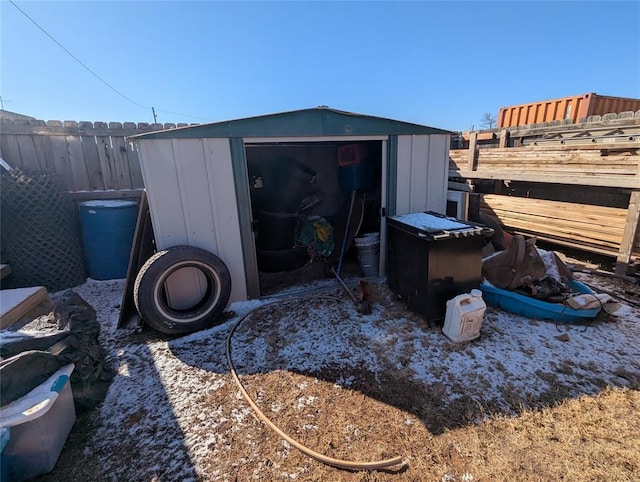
x=464 y=317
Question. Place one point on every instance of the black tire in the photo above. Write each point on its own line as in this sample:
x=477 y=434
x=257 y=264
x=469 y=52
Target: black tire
x=150 y=298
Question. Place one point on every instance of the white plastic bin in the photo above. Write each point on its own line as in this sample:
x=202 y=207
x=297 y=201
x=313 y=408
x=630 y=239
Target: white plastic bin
x=464 y=316
x=39 y=424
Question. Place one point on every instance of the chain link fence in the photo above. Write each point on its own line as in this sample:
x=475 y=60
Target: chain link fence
x=41 y=237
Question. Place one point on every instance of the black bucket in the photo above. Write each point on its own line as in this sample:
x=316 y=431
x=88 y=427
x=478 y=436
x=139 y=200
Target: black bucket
x=276 y=231
x=292 y=183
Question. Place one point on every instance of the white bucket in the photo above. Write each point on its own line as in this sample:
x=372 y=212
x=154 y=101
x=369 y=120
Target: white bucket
x=368 y=249
x=464 y=317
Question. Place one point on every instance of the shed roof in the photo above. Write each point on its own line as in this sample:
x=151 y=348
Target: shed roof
x=315 y=122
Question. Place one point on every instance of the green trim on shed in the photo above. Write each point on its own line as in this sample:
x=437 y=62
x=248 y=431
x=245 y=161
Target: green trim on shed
x=316 y=122
x=243 y=202
x=392 y=175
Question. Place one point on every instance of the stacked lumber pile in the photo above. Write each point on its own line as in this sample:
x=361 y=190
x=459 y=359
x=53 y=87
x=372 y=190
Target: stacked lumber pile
x=597 y=229
x=597 y=165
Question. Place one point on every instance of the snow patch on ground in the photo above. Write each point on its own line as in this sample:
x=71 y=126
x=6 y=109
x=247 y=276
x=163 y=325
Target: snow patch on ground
x=162 y=396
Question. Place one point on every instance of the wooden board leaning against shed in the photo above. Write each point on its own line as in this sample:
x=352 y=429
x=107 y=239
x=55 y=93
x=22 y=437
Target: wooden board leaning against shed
x=599 y=155
x=142 y=248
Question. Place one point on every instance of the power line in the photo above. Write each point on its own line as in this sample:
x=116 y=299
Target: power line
x=92 y=72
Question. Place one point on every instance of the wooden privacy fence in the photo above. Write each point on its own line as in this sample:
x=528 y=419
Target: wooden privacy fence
x=90 y=156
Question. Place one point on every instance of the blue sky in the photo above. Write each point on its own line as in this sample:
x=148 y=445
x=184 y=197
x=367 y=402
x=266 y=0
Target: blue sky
x=442 y=64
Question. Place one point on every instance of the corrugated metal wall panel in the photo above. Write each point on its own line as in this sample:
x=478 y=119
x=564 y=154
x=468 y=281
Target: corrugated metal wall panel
x=419 y=174
x=190 y=186
x=222 y=185
x=546 y=111
x=575 y=108
x=403 y=179
x=438 y=172
x=601 y=105
x=422 y=173
x=159 y=173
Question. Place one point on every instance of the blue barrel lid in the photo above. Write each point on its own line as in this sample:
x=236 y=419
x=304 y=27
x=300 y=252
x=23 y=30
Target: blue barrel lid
x=108 y=203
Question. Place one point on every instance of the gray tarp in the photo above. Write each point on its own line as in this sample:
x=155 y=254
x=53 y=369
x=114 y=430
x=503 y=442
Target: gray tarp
x=28 y=359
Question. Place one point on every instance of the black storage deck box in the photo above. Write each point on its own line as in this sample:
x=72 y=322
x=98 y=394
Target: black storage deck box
x=433 y=258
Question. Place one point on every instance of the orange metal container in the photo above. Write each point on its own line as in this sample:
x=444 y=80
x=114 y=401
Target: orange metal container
x=574 y=108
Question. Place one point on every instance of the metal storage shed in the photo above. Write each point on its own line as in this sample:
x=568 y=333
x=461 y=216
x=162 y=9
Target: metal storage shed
x=200 y=193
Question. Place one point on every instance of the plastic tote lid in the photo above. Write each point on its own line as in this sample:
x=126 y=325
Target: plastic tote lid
x=434 y=226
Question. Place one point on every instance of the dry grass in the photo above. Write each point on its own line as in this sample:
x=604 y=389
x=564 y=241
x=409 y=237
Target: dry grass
x=590 y=438
x=587 y=439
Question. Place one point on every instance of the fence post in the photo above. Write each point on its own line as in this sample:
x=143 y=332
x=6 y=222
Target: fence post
x=629 y=234
x=504 y=138
x=473 y=138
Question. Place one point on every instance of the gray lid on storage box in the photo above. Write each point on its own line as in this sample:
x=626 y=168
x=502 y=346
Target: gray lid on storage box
x=436 y=226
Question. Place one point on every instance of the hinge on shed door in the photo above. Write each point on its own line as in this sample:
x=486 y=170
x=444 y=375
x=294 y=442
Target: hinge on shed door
x=383 y=212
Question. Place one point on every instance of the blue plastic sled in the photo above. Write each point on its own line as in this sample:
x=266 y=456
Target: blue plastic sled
x=533 y=308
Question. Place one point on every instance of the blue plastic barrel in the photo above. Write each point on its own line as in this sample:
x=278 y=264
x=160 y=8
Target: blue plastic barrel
x=108 y=227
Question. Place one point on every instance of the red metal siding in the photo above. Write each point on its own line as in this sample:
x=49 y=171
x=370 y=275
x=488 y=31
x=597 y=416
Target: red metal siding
x=574 y=108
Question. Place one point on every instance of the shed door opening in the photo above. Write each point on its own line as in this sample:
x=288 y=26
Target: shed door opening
x=301 y=197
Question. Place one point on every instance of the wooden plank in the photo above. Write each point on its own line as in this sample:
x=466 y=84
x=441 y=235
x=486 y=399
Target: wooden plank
x=106 y=194
x=134 y=166
x=142 y=249
x=77 y=164
x=592 y=249
x=593 y=228
x=566 y=228
x=558 y=209
x=107 y=167
x=480 y=135
x=574 y=233
x=61 y=162
x=575 y=228
x=27 y=150
x=92 y=162
x=121 y=161
x=583 y=243
x=561 y=152
x=630 y=232
x=578 y=170
x=504 y=139
x=20 y=303
x=9 y=150
x=540 y=162
x=631 y=182
x=553 y=154
x=44 y=152
x=473 y=151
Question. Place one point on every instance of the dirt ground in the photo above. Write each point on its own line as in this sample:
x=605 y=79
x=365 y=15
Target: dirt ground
x=526 y=401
